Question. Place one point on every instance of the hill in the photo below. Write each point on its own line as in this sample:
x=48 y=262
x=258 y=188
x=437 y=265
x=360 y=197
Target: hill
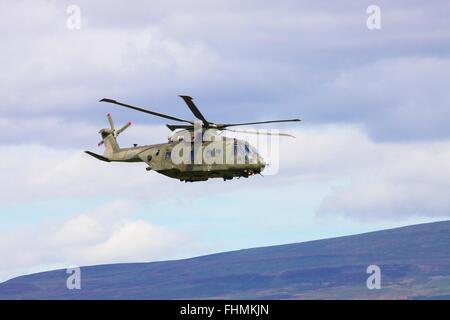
x=414 y=262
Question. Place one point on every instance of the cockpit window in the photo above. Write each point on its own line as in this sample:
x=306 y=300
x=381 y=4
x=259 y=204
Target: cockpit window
x=244 y=149
x=253 y=150
x=167 y=156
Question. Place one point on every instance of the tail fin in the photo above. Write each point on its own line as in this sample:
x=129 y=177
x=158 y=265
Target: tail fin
x=111 y=146
x=110 y=142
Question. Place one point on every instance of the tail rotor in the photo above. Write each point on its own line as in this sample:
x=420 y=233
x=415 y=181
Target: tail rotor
x=112 y=131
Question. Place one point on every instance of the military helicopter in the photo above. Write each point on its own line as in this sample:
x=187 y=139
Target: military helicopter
x=196 y=150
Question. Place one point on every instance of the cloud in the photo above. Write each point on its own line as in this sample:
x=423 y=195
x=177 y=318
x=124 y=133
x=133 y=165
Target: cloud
x=252 y=60
x=375 y=180
x=372 y=180
x=411 y=180
x=105 y=234
x=61 y=133
x=394 y=99
x=41 y=173
x=65 y=72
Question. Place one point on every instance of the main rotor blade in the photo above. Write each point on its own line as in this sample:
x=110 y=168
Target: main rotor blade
x=123 y=128
x=145 y=110
x=173 y=127
x=262 y=133
x=222 y=126
x=195 y=110
x=110 y=120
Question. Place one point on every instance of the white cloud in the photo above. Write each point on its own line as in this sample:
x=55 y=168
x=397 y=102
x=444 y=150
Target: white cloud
x=377 y=180
x=106 y=234
x=63 y=133
x=39 y=173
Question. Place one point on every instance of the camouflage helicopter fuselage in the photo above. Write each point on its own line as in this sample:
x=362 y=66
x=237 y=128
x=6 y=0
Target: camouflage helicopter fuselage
x=224 y=157
x=188 y=155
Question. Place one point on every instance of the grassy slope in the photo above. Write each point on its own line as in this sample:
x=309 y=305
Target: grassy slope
x=414 y=261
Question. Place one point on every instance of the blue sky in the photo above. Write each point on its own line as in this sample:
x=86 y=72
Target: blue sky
x=372 y=152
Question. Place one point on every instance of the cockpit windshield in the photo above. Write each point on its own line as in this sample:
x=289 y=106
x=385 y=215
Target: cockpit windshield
x=248 y=149
x=253 y=150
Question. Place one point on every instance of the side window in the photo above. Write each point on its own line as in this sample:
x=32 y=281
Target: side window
x=213 y=152
x=157 y=152
x=167 y=156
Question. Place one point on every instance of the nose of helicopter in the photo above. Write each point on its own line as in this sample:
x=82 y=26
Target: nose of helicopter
x=262 y=163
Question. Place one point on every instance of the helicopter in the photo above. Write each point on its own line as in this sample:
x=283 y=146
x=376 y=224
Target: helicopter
x=195 y=151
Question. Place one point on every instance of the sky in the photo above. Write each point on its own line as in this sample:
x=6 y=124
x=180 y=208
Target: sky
x=372 y=152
